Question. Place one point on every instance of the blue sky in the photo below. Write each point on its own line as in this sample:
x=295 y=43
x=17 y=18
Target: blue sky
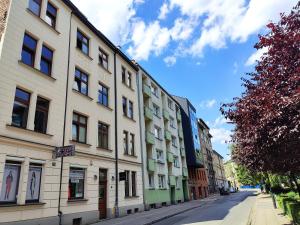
x=194 y=48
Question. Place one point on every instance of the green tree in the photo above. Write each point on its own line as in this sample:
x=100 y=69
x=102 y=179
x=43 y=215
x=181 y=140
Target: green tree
x=246 y=177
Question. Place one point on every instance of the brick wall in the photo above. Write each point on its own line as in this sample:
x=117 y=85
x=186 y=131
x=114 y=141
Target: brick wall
x=4 y=4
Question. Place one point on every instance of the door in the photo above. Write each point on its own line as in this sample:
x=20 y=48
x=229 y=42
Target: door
x=172 y=195
x=102 y=193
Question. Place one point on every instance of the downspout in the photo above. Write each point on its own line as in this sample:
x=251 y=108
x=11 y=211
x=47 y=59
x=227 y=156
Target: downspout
x=116 y=141
x=141 y=133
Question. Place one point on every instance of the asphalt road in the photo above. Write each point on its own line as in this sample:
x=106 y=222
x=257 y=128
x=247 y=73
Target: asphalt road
x=234 y=209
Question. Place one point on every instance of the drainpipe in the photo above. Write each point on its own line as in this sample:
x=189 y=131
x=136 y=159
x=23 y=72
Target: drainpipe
x=116 y=141
x=60 y=214
x=141 y=133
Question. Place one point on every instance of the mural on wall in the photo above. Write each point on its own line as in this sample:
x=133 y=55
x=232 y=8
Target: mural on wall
x=33 y=183
x=9 y=188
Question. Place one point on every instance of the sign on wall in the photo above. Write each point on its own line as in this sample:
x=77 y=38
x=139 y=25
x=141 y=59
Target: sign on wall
x=64 y=151
x=10 y=183
x=34 y=183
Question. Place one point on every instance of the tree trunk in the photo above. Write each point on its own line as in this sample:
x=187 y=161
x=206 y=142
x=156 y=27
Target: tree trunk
x=296 y=182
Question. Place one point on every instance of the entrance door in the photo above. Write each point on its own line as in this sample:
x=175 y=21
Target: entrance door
x=172 y=195
x=102 y=193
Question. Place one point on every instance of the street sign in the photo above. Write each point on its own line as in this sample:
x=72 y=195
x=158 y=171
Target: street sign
x=64 y=151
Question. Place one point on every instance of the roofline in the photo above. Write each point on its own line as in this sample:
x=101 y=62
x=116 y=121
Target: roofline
x=98 y=33
x=202 y=122
x=171 y=96
x=218 y=154
x=188 y=101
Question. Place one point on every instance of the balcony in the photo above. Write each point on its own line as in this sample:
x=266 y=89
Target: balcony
x=150 y=139
x=178 y=115
x=170 y=157
x=168 y=135
x=172 y=180
x=180 y=133
x=182 y=152
x=151 y=165
x=185 y=172
x=146 y=91
x=166 y=114
x=148 y=113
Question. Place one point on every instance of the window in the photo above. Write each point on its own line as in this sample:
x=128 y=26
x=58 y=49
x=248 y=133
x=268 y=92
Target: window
x=46 y=60
x=76 y=183
x=103 y=59
x=81 y=82
x=176 y=162
x=132 y=144
x=127 y=183
x=160 y=156
x=177 y=182
x=151 y=180
x=28 y=50
x=51 y=15
x=102 y=135
x=20 y=108
x=10 y=182
x=130 y=110
x=161 y=181
x=174 y=141
x=156 y=110
x=172 y=122
x=157 y=132
x=103 y=95
x=125 y=142
x=82 y=42
x=170 y=104
x=124 y=105
x=41 y=115
x=79 y=128
x=34 y=183
x=35 y=6
x=123 y=75
x=129 y=78
x=133 y=183
x=154 y=90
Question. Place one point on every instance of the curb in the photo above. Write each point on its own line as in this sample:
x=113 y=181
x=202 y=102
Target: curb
x=175 y=214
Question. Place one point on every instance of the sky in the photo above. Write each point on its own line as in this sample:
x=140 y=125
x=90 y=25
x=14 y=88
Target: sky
x=198 y=49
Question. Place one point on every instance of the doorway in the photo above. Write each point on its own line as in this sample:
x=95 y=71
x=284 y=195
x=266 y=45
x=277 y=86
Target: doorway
x=102 y=198
x=172 y=195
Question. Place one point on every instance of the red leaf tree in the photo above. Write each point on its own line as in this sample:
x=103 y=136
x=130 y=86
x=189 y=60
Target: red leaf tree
x=267 y=115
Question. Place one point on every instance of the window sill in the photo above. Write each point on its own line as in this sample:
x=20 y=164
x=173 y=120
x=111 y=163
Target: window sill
x=151 y=188
x=87 y=56
x=160 y=139
x=129 y=118
x=77 y=200
x=80 y=143
x=131 y=197
x=37 y=71
x=106 y=107
x=43 y=21
x=174 y=146
x=88 y=97
x=159 y=117
x=104 y=68
x=3 y=205
x=25 y=129
x=130 y=88
x=162 y=189
x=160 y=162
x=132 y=156
x=173 y=127
x=104 y=149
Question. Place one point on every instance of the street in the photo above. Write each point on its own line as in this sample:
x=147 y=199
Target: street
x=230 y=210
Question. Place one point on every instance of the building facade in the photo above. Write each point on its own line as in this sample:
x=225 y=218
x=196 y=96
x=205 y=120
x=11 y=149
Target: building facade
x=165 y=169
x=220 y=178
x=65 y=84
x=207 y=150
x=230 y=173
x=194 y=156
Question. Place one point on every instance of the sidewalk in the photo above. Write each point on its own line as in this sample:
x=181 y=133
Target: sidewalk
x=156 y=215
x=263 y=213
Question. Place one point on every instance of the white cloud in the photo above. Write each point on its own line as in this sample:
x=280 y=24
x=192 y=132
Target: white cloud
x=208 y=103
x=255 y=56
x=220 y=135
x=163 y=11
x=235 y=67
x=219 y=121
x=182 y=29
x=170 y=60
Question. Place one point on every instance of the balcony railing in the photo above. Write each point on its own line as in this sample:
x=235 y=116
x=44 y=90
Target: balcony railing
x=146 y=90
x=150 y=139
x=168 y=135
x=151 y=165
x=148 y=113
x=166 y=114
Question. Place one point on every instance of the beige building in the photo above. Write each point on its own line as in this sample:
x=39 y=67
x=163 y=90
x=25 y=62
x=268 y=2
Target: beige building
x=220 y=177
x=63 y=83
x=165 y=169
x=230 y=173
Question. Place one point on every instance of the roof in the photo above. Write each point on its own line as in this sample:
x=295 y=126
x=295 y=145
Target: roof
x=218 y=154
x=188 y=101
x=203 y=124
x=85 y=21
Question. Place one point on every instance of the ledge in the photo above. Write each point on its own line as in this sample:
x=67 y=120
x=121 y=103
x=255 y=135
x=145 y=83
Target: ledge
x=160 y=162
x=104 y=68
x=132 y=156
x=43 y=21
x=160 y=139
x=87 y=56
x=37 y=71
x=104 y=149
x=129 y=118
x=80 y=143
x=78 y=92
x=77 y=200
x=106 y=107
x=159 y=117
x=3 y=205
x=25 y=129
x=131 y=197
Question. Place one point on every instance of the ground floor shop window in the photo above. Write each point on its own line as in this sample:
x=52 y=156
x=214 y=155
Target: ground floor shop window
x=10 y=184
x=34 y=183
x=76 y=183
